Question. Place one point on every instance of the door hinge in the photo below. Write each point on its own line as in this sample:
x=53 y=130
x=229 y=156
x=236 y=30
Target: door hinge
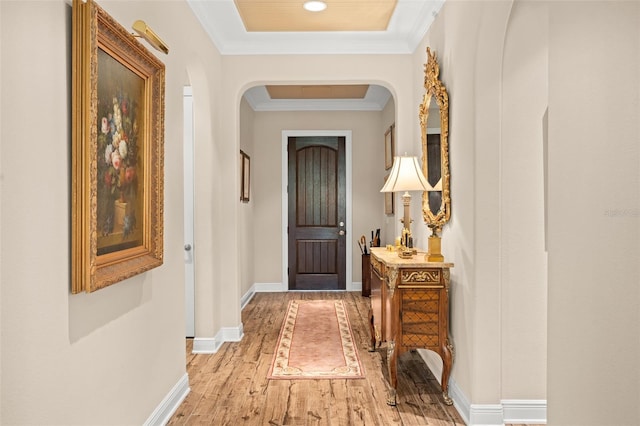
x=287 y=270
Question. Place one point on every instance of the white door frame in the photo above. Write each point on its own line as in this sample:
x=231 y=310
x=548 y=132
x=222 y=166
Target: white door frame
x=285 y=201
x=189 y=248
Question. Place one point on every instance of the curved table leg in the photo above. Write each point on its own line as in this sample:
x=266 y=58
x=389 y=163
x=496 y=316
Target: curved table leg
x=447 y=361
x=372 y=331
x=392 y=364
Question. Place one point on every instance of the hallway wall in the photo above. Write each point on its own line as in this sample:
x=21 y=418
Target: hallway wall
x=527 y=181
x=243 y=72
x=594 y=213
x=248 y=216
x=367 y=172
x=493 y=61
x=109 y=357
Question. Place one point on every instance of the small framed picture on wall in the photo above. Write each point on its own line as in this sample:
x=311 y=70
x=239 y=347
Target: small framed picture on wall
x=389 y=148
x=388 y=200
x=245 y=175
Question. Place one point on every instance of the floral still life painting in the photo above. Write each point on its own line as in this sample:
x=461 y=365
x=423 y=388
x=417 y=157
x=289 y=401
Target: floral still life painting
x=120 y=98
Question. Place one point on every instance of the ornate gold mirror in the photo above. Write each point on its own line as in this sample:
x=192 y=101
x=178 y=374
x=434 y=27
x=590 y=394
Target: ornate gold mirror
x=434 y=130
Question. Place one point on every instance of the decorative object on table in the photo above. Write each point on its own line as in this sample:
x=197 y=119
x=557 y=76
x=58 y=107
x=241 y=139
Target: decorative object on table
x=434 y=127
x=316 y=342
x=375 y=241
x=245 y=175
x=117 y=152
x=406 y=175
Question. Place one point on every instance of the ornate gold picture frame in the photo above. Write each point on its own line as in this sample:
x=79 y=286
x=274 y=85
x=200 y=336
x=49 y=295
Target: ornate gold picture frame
x=389 y=147
x=245 y=176
x=388 y=200
x=117 y=152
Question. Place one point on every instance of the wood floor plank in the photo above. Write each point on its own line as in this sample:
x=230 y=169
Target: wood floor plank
x=359 y=401
x=319 y=405
x=276 y=402
x=231 y=386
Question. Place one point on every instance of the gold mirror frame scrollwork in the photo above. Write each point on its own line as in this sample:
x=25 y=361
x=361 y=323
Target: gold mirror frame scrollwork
x=434 y=88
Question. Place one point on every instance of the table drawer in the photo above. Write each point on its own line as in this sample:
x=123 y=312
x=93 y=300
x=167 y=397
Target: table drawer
x=420 y=317
x=427 y=276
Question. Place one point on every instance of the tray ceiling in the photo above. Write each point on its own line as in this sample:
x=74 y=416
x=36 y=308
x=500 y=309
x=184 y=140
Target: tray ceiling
x=255 y=27
x=340 y=15
x=273 y=27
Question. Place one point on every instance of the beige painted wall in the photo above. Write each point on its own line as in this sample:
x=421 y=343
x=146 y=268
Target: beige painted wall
x=523 y=262
x=594 y=213
x=502 y=66
x=109 y=357
x=247 y=215
x=390 y=225
x=492 y=59
x=242 y=72
x=467 y=38
x=367 y=164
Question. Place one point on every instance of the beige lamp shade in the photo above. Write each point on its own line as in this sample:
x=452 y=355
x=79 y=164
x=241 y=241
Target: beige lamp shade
x=406 y=175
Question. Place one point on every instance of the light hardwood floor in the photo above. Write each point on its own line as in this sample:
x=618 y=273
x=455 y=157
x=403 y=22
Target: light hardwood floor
x=231 y=386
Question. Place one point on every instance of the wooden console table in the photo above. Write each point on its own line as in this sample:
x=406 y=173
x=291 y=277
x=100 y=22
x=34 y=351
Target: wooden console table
x=410 y=310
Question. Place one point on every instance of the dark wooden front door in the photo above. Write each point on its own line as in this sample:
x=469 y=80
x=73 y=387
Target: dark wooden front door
x=317 y=213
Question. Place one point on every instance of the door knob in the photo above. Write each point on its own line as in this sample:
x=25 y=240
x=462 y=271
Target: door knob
x=187 y=247
x=341 y=232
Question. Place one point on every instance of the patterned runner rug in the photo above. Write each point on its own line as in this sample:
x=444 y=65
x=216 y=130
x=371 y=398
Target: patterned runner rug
x=316 y=342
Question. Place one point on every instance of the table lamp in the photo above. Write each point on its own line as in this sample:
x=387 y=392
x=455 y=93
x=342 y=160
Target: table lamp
x=406 y=175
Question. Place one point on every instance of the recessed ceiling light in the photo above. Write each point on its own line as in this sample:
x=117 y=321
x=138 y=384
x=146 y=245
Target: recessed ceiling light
x=315 y=6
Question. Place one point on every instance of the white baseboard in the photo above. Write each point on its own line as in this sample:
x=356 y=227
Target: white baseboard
x=486 y=415
x=473 y=414
x=460 y=401
x=230 y=334
x=205 y=345
x=244 y=300
x=519 y=411
x=270 y=287
x=211 y=345
x=163 y=412
x=280 y=287
x=508 y=411
x=525 y=411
